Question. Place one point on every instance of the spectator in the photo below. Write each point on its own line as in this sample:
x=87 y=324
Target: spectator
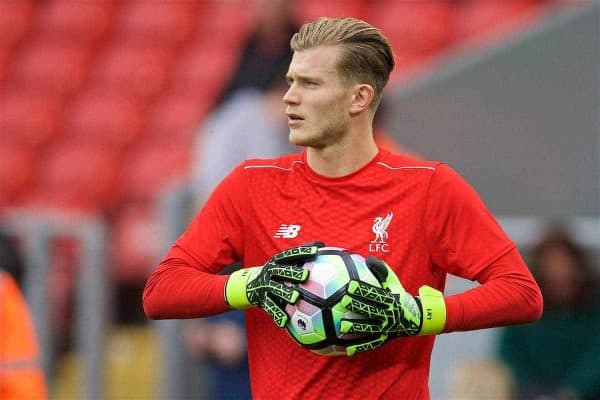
x=20 y=374
x=266 y=52
x=251 y=124
x=557 y=357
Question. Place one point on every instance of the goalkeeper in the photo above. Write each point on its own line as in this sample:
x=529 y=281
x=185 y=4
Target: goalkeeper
x=418 y=219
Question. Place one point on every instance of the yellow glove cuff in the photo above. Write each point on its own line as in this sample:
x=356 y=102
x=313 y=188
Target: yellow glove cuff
x=434 y=311
x=235 y=287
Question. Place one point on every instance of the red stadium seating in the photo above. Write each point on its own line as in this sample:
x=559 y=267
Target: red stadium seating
x=136 y=242
x=84 y=22
x=142 y=70
x=204 y=70
x=80 y=177
x=309 y=10
x=30 y=117
x=481 y=20
x=177 y=117
x=47 y=65
x=15 y=22
x=109 y=119
x=226 y=23
x=163 y=23
x=17 y=172
x=416 y=29
x=149 y=167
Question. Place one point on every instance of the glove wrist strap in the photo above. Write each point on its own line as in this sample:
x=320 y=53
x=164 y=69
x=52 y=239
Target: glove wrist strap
x=235 y=287
x=433 y=309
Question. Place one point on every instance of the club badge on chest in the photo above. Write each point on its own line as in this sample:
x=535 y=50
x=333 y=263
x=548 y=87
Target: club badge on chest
x=380 y=243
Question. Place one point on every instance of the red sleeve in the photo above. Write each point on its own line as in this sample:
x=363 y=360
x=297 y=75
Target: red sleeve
x=465 y=240
x=462 y=235
x=185 y=284
x=508 y=295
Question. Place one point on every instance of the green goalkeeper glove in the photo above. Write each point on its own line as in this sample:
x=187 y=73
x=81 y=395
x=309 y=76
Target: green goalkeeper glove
x=391 y=311
x=262 y=286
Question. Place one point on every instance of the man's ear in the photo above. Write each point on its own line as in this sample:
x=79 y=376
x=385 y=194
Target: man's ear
x=362 y=97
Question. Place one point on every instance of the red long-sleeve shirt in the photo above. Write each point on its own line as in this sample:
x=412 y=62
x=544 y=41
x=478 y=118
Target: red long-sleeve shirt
x=437 y=225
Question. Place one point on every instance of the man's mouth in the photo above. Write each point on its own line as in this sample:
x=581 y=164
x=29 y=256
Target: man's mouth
x=294 y=117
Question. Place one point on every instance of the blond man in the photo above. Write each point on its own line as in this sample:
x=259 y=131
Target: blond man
x=333 y=192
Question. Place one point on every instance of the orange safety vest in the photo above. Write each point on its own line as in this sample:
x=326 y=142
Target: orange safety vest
x=20 y=374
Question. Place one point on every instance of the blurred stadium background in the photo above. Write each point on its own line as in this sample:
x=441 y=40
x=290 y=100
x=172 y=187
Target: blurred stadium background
x=101 y=102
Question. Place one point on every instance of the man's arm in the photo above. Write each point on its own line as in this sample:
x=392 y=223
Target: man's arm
x=186 y=284
x=508 y=295
x=178 y=290
x=465 y=240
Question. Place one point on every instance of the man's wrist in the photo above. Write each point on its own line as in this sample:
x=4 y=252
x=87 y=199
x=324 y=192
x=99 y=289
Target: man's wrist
x=235 y=287
x=433 y=311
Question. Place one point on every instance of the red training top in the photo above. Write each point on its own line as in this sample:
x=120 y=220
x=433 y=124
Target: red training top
x=436 y=224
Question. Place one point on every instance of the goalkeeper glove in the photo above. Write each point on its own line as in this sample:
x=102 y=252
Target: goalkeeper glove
x=262 y=286
x=390 y=310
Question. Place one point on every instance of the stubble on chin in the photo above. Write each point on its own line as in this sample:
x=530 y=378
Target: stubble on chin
x=317 y=140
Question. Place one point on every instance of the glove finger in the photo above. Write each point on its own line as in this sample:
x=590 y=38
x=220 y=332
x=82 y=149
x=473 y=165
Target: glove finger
x=288 y=272
x=360 y=326
x=278 y=315
x=362 y=290
x=363 y=308
x=314 y=243
x=294 y=254
x=283 y=292
x=373 y=344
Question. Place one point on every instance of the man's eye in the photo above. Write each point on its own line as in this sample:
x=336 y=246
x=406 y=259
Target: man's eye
x=311 y=83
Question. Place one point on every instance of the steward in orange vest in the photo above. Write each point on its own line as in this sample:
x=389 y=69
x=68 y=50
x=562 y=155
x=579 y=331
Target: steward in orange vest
x=20 y=374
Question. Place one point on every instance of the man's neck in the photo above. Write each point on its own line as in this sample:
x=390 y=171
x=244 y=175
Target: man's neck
x=343 y=158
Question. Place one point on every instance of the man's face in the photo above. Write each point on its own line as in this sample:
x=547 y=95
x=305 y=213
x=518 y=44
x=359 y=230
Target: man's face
x=317 y=99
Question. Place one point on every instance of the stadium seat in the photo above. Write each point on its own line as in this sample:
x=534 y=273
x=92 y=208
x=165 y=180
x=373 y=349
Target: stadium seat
x=150 y=166
x=109 y=119
x=82 y=22
x=31 y=118
x=177 y=116
x=227 y=21
x=135 y=241
x=15 y=22
x=142 y=70
x=204 y=70
x=17 y=172
x=414 y=28
x=47 y=65
x=77 y=177
x=309 y=10
x=482 y=20
x=5 y=59
x=162 y=23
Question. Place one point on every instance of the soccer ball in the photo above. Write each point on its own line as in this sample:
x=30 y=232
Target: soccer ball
x=315 y=319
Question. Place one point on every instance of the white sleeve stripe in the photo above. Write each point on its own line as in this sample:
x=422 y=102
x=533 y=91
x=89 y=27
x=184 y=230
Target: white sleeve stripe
x=409 y=167
x=272 y=166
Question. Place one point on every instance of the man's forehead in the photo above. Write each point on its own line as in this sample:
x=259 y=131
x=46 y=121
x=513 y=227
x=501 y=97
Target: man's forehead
x=316 y=61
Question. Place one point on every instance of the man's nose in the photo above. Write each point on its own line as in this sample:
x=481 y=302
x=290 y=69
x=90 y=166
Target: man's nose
x=291 y=96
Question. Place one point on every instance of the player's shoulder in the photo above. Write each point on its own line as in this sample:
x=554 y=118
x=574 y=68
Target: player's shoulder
x=284 y=163
x=394 y=161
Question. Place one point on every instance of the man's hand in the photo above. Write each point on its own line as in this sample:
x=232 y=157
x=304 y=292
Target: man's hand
x=262 y=286
x=390 y=310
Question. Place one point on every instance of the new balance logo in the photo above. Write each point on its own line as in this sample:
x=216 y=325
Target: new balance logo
x=287 y=231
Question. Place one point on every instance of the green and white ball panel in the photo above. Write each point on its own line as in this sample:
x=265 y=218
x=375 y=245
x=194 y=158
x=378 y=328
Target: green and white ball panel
x=364 y=274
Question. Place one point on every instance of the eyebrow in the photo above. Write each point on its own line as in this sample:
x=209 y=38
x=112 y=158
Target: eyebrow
x=301 y=77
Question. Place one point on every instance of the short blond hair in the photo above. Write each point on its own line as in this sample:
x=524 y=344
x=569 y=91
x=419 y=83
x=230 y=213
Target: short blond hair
x=367 y=56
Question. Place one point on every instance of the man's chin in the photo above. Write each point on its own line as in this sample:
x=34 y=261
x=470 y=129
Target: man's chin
x=298 y=139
